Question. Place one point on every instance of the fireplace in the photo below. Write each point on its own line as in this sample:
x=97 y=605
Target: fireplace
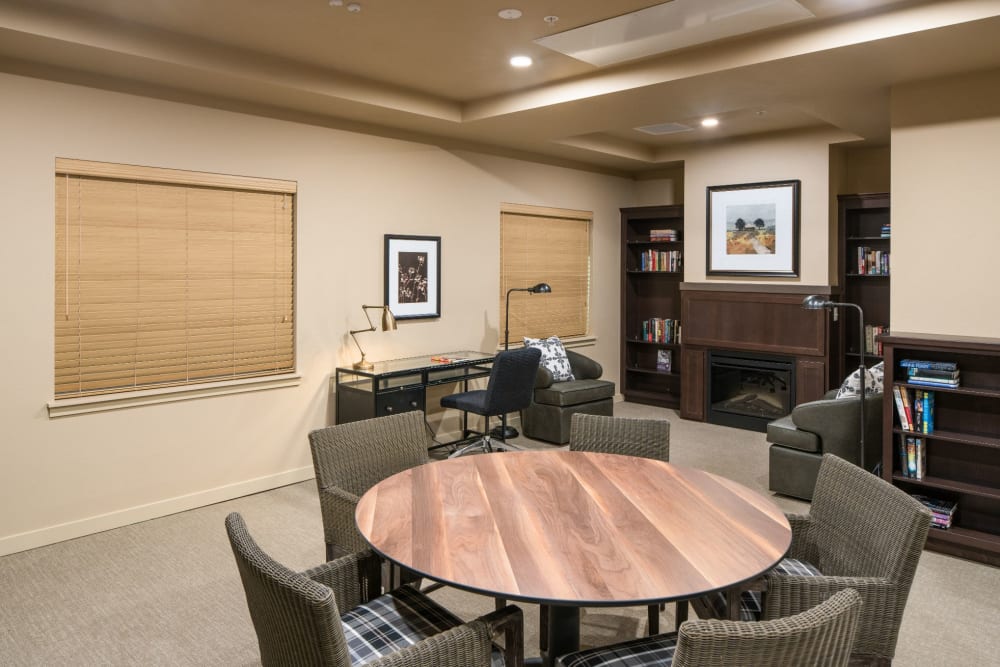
x=747 y=389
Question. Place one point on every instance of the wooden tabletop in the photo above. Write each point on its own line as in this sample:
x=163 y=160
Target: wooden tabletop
x=573 y=528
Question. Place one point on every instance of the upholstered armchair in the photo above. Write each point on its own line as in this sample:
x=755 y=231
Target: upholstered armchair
x=554 y=403
x=826 y=426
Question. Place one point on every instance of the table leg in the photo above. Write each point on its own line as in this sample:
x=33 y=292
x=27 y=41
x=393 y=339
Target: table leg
x=680 y=613
x=564 y=632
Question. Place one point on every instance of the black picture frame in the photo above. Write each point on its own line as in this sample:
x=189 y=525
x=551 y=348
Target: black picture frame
x=413 y=276
x=753 y=229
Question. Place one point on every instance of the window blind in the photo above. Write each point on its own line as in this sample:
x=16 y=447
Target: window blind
x=167 y=277
x=545 y=245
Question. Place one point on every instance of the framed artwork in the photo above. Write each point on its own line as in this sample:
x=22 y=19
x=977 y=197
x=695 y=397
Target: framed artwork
x=753 y=229
x=413 y=276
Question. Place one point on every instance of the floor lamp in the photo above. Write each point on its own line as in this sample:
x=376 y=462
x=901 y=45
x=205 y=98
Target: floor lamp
x=817 y=302
x=503 y=431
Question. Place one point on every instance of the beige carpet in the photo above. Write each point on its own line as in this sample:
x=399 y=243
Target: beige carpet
x=166 y=592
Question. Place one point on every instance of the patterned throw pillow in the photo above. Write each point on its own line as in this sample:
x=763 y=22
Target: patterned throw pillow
x=553 y=357
x=874 y=378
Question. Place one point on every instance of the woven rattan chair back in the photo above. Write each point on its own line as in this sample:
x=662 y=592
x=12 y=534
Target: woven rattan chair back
x=296 y=618
x=820 y=637
x=648 y=438
x=358 y=455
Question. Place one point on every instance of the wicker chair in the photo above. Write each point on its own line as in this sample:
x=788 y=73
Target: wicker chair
x=821 y=636
x=298 y=618
x=351 y=458
x=861 y=533
x=648 y=438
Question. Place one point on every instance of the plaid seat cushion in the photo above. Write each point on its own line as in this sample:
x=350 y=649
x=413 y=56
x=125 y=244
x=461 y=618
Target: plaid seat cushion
x=657 y=650
x=750 y=601
x=394 y=621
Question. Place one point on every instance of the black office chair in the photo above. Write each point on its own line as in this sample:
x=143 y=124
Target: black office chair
x=511 y=385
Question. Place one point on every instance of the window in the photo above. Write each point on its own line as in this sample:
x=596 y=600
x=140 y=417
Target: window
x=167 y=277
x=552 y=246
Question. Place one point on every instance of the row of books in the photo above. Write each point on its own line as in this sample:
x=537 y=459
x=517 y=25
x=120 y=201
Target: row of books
x=872 y=343
x=661 y=330
x=660 y=260
x=942 y=374
x=663 y=235
x=942 y=511
x=912 y=456
x=915 y=408
x=872 y=262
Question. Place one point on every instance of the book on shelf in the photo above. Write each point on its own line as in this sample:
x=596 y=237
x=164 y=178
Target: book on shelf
x=660 y=260
x=934 y=382
x=912 y=456
x=872 y=262
x=942 y=511
x=907 y=407
x=663 y=235
x=897 y=396
x=664 y=360
x=934 y=365
x=659 y=330
x=873 y=342
x=933 y=374
x=886 y=230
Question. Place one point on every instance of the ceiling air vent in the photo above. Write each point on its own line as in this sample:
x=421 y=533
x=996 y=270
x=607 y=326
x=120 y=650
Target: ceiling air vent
x=665 y=128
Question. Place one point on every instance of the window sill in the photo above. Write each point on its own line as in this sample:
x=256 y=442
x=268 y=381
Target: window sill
x=568 y=343
x=78 y=406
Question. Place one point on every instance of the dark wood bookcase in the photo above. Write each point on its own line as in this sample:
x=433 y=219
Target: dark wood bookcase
x=648 y=294
x=963 y=451
x=861 y=219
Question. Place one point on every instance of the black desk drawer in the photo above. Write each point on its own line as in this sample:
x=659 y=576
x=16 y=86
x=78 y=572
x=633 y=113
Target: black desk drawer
x=404 y=400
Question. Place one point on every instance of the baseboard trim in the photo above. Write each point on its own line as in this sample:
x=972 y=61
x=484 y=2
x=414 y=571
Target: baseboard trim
x=101 y=522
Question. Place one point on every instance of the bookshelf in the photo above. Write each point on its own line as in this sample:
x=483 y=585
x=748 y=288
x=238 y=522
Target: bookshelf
x=962 y=453
x=862 y=219
x=652 y=271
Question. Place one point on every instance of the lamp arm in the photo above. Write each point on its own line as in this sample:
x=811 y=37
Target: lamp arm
x=371 y=327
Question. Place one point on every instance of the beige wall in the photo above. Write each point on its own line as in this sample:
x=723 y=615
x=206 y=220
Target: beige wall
x=945 y=144
x=803 y=156
x=73 y=475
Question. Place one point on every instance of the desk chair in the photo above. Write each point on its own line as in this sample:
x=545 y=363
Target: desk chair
x=510 y=387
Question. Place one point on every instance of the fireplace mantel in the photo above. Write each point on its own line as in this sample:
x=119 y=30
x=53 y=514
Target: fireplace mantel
x=753 y=318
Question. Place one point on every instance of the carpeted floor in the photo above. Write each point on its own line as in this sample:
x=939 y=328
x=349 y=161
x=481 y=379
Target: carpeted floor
x=166 y=592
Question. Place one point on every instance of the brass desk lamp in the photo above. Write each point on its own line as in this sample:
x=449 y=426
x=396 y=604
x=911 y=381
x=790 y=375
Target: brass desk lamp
x=388 y=324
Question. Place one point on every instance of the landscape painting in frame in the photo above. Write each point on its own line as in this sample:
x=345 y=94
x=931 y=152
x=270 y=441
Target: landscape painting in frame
x=753 y=229
x=413 y=276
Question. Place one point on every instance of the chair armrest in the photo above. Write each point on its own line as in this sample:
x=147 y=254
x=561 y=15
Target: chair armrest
x=339 y=527
x=802 y=547
x=466 y=645
x=584 y=368
x=543 y=379
x=354 y=579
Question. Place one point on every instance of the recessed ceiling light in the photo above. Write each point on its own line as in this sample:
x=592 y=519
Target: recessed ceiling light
x=509 y=14
x=709 y=122
x=354 y=8
x=520 y=61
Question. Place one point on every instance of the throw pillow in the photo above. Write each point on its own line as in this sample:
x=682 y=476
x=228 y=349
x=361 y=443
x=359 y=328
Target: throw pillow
x=554 y=357
x=874 y=378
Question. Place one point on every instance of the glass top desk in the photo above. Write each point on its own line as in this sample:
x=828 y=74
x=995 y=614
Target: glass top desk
x=400 y=385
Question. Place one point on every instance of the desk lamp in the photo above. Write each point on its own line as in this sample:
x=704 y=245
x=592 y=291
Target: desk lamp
x=388 y=324
x=817 y=302
x=503 y=431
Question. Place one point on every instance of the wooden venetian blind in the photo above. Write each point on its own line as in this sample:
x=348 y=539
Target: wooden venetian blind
x=166 y=277
x=551 y=246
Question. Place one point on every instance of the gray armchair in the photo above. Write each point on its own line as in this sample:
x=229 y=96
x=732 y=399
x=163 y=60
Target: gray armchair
x=549 y=416
x=827 y=426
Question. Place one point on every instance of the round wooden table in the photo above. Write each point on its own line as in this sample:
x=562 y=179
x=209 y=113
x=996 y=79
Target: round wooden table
x=573 y=529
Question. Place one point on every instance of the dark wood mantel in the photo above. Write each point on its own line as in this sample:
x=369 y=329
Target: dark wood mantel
x=754 y=318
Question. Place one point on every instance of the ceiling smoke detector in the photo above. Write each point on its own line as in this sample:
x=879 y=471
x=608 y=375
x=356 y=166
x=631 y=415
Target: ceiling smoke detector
x=510 y=14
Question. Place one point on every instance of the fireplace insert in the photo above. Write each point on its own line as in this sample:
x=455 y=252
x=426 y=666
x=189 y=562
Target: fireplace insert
x=748 y=390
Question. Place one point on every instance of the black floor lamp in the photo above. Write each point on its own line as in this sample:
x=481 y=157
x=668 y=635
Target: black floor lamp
x=817 y=302
x=503 y=431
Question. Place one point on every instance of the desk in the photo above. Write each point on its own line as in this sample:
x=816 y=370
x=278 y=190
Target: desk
x=573 y=529
x=400 y=385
